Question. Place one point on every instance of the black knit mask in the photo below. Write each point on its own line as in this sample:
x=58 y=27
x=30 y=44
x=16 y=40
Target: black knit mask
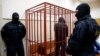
x=15 y=17
x=82 y=10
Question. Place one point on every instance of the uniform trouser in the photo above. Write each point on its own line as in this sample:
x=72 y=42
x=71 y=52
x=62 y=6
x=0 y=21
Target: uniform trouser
x=15 y=48
x=83 y=54
x=57 y=49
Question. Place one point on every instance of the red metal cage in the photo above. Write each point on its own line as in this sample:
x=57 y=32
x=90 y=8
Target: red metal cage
x=40 y=20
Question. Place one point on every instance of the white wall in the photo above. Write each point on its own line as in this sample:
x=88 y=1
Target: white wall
x=0 y=1
x=0 y=8
x=0 y=18
x=95 y=9
x=10 y=6
x=1 y=46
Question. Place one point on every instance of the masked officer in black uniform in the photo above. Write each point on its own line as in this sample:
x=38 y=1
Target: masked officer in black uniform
x=81 y=42
x=12 y=34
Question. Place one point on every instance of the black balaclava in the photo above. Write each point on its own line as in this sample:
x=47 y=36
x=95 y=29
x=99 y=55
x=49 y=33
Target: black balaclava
x=61 y=20
x=15 y=17
x=83 y=10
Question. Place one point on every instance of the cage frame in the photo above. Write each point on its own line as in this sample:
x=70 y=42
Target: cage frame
x=45 y=8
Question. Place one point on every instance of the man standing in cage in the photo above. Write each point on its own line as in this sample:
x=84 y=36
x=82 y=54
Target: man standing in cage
x=61 y=32
x=12 y=34
x=81 y=42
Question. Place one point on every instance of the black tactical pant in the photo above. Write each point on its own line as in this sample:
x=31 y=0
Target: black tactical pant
x=15 y=48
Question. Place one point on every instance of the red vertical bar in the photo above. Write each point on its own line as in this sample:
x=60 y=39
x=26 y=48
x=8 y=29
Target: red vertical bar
x=66 y=24
x=67 y=28
x=29 y=33
x=70 y=22
x=58 y=28
x=37 y=30
x=58 y=20
x=32 y=32
x=50 y=29
x=54 y=25
x=62 y=12
x=58 y=12
x=45 y=44
x=54 y=15
x=30 y=37
x=62 y=33
x=34 y=35
x=40 y=29
x=73 y=17
x=26 y=17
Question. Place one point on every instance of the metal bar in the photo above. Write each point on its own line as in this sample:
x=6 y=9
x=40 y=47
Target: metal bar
x=58 y=6
x=50 y=29
x=58 y=12
x=35 y=9
x=48 y=4
x=29 y=32
x=45 y=44
x=46 y=20
x=62 y=12
x=54 y=30
x=58 y=20
x=37 y=30
x=34 y=33
x=35 y=6
x=54 y=15
x=27 y=26
x=70 y=22
x=38 y=8
x=58 y=32
x=26 y=17
x=62 y=37
x=66 y=24
x=40 y=30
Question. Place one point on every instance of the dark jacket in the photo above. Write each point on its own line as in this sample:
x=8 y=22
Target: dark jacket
x=13 y=32
x=83 y=37
x=61 y=31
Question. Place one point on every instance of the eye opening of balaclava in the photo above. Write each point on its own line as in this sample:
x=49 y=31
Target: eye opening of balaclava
x=82 y=10
x=61 y=20
x=15 y=17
